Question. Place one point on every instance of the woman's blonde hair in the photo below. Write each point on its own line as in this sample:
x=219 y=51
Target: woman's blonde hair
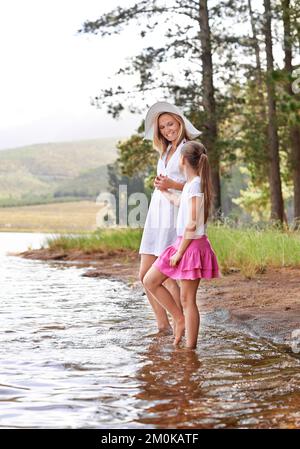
x=160 y=143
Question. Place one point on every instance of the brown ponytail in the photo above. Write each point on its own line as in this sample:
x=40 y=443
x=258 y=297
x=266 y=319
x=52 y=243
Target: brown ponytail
x=196 y=155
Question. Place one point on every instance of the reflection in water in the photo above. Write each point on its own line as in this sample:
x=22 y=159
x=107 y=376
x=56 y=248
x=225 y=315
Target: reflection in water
x=80 y=352
x=171 y=380
x=230 y=381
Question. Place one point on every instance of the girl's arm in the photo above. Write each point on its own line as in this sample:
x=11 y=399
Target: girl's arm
x=176 y=185
x=189 y=231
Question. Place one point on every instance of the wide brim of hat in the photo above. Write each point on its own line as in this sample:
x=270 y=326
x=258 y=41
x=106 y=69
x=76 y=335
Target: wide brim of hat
x=163 y=106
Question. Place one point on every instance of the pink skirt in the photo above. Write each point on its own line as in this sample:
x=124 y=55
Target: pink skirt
x=199 y=261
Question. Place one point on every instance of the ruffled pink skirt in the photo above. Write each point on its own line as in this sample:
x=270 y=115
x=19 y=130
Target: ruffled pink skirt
x=199 y=261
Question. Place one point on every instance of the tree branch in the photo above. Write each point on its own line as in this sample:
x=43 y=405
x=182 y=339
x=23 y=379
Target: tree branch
x=111 y=22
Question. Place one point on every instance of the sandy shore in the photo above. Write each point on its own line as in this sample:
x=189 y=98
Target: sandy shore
x=266 y=306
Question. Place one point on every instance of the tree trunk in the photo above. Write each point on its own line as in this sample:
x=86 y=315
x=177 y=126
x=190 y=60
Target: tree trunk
x=259 y=97
x=295 y=142
x=256 y=48
x=258 y=72
x=210 y=133
x=277 y=212
x=294 y=129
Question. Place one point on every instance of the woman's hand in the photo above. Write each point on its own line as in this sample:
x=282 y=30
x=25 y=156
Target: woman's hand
x=162 y=182
x=175 y=259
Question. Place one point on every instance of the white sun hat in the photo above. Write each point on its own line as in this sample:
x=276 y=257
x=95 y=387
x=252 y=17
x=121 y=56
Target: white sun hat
x=164 y=106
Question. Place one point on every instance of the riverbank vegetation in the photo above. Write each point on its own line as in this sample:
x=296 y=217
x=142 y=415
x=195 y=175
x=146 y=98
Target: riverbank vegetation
x=249 y=250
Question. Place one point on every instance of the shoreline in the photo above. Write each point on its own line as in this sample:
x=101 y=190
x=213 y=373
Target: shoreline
x=265 y=306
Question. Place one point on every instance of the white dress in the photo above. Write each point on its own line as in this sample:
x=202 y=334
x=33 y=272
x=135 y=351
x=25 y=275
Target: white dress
x=160 y=225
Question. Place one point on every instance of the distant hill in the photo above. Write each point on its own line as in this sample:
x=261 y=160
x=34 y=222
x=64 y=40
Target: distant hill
x=67 y=170
x=87 y=184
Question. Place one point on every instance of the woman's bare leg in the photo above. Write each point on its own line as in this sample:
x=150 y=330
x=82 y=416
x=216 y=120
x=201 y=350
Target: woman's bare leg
x=174 y=289
x=190 y=310
x=160 y=313
x=153 y=281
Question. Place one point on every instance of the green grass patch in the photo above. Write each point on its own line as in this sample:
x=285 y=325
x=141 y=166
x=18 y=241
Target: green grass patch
x=104 y=239
x=252 y=250
x=249 y=250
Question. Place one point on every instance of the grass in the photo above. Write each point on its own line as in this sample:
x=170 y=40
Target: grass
x=104 y=239
x=253 y=250
x=250 y=250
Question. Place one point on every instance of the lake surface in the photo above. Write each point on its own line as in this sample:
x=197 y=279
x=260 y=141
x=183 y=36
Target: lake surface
x=79 y=352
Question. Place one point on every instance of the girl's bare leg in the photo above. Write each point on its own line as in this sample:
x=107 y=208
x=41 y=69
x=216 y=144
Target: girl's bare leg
x=190 y=310
x=174 y=289
x=160 y=313
x=153 y=281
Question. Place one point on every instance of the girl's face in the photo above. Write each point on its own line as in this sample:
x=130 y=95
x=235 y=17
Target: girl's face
x=168 y=126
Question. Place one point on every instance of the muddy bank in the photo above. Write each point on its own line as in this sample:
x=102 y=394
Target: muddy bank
x=266 y=306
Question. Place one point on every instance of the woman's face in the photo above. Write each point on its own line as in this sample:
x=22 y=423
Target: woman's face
x=168 y=126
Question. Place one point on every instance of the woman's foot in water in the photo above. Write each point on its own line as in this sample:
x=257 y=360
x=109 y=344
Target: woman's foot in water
x=165 y=330
x=162 y=332
x=164 y=327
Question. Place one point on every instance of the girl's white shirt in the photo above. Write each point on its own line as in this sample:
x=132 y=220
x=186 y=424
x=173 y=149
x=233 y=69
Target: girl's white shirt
x=160 y=225
x=191 y=189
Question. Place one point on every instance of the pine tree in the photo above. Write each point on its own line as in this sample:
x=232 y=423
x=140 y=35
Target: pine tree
x=277 y=210
x=294 y=127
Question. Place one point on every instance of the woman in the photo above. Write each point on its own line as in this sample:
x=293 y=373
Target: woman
x=168 y=129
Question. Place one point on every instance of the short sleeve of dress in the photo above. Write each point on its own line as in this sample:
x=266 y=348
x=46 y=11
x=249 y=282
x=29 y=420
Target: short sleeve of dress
x=194 y=190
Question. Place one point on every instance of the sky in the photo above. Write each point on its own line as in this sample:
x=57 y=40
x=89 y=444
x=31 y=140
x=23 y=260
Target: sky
x=49 y=73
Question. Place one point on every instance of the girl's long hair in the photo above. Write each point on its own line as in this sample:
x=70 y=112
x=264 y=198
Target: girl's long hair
x=160 y=143
x=196 y=155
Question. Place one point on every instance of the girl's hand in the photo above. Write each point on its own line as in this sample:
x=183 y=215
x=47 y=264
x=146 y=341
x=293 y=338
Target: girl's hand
x=175 y=259
x=162 y=182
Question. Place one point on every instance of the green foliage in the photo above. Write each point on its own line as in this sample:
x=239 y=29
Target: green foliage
x=255 y=199
x=288 y=101
x=133 y=184
x=136 y=156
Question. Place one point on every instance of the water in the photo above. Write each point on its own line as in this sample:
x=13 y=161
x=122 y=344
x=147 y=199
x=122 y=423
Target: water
x=80 y=352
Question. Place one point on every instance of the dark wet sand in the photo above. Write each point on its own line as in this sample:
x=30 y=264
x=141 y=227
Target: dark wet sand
x=266 y=306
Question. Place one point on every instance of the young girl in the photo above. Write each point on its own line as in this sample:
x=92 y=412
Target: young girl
x=191 y=256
